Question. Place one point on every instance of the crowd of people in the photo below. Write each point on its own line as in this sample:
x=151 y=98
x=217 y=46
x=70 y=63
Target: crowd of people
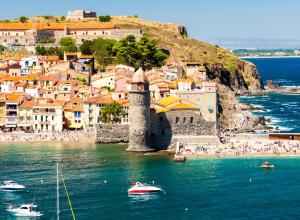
x=246 y=147
x=64 y=136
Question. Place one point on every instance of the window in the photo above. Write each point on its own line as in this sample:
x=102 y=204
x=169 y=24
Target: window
x=184 y=119
x=192 y=120
x=177 y=120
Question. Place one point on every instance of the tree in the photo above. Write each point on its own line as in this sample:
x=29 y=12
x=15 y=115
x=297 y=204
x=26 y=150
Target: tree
x=40 y=50
x=2 y=48
x=68 y=44
x=23 y=19
x=105 y=18
x=86 y=47
x=143 y=53
x=103 y=50
x=62 y=18
x=83 y=80
x=112 y=113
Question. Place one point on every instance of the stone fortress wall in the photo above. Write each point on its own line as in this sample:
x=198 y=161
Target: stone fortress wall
x=112 y=133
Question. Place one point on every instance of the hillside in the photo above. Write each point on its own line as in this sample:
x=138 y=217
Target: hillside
x=233 y=75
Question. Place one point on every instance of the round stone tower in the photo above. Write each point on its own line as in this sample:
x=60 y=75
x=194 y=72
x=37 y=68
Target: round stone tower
x=139 y=113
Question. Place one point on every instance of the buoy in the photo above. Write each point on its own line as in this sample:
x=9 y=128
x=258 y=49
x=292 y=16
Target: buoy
x=105 y=181
x=186 y=209
x=153 y=182
x=250 y=180
x=42 y=181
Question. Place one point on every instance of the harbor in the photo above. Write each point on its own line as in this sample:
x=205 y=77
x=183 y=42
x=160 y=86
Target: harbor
x=98 y=178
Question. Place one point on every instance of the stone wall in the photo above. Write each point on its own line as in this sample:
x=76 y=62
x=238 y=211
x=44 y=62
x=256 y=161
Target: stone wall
x=166 y=127
x=112 y=133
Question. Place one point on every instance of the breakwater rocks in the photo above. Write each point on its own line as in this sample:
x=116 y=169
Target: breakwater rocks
x=112 y=133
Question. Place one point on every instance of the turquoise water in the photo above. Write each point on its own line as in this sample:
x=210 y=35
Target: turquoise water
x=282 y=109
x=197 y=189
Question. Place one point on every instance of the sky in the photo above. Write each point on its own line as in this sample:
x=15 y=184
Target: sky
x=209 y=20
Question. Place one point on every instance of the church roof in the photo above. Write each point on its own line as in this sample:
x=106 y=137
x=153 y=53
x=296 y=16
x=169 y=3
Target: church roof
x=167 y=101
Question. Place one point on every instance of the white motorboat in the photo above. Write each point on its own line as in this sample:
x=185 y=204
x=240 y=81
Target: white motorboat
x=267 y=165
x=11 y=186
x=25 y=210
x=143 y=188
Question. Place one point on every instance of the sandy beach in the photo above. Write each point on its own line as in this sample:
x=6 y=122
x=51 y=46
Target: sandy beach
x=47 y=137
x=245 y=145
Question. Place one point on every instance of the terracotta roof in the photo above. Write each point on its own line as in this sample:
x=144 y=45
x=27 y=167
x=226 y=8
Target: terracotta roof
x=50 y=58
x=91 y=100
x=76 y=100
x=27 y=104
x=45 y=105
x=14 y=97
x=77 y=108
x=21 y=84
x=123 y=102
x=46 y=78
x=104 y=100
x=15 y=66
x=85 y=56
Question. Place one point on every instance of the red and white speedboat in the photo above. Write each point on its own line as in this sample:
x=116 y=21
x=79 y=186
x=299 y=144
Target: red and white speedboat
x=143 y=188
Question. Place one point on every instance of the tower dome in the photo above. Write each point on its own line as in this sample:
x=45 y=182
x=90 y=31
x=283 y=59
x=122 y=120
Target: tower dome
x=139 y=77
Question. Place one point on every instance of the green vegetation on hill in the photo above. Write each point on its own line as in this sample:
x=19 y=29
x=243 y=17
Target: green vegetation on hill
x=104 y=18
x=129 y=51
x=181 y=47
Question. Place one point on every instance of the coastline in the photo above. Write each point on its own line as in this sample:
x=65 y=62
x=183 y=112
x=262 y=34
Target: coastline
x=269 y=57
x=245 y=156
x=69 y=137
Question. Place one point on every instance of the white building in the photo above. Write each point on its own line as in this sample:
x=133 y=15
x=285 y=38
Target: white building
x=47 y=117
x=80 y=14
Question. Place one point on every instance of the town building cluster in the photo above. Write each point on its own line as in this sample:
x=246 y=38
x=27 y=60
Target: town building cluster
x=35 y=32
x=44 y=93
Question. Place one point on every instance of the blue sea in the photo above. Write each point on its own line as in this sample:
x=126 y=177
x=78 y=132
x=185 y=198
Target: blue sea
x=98 y=177
x=282 y=109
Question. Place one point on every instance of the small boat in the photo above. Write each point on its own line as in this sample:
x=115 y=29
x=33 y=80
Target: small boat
x=267 y=165
x=11 y=186
x=143 y=188
x=25 y=210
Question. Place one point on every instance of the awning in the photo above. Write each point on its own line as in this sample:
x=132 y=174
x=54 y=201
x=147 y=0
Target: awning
x=75 y=126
